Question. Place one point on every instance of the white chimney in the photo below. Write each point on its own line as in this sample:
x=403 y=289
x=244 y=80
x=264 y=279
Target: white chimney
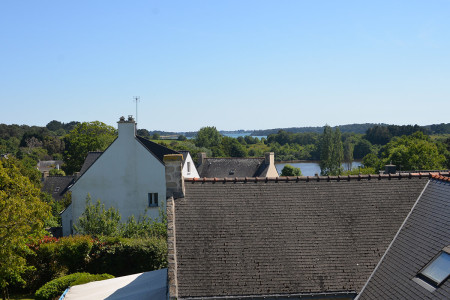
x=127 y=128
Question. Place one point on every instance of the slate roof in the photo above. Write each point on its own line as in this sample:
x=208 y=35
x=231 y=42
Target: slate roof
x=158 y=150
x=185 y=154
x=425 y=233
x=57 y=186
x=284 y=237
x=89 y=161
x=232 y=167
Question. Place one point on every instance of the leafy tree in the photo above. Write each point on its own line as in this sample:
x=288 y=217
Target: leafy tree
x=85 y=137
x=232 y=148
x=181 y=138
x=362 y=148
x=371 y=161
x=289 y=170
x=97 y=221
x=22 y=217
x=331 y=152
x=208 y=137
x=54 y=125
x=348 y=153
x=57 y=172
x=414 y=152
x=156 y=136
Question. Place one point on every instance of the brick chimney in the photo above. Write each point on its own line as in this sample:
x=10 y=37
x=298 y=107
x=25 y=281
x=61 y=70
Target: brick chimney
x=127 y=128
x=174 y=176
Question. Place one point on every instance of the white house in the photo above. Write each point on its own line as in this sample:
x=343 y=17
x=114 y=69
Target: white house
x=129 y=176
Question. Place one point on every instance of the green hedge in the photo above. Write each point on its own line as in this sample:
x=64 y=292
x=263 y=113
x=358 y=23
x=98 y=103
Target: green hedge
x=56 y=287
x=53 y=258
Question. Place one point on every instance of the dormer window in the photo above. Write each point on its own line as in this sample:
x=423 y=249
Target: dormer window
x=438 y=270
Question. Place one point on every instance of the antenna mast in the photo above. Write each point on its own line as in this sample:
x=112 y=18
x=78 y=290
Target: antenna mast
x=137 y=99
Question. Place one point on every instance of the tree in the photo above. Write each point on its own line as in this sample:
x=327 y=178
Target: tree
x=97 y=221
x=232 y=148
x=22 y=217
x=331 y=152
x=208 y=137
x=85 y=137
x=362 y=148
x=289 y=170
x=414 y=152
x=348 y=153
x=156 y=136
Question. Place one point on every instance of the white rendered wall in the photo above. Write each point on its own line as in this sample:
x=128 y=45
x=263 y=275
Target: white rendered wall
x=122 y=177
x=66 y=218
x=193 y=173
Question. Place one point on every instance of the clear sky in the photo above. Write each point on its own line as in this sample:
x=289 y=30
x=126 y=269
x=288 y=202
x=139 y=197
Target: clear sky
x=230 y=64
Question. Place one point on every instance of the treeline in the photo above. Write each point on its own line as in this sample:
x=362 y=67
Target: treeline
x=394 y=130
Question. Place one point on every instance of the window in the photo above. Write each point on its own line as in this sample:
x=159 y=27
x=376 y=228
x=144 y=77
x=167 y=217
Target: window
x=152 y=199
x=438 y=270
x=188 y=167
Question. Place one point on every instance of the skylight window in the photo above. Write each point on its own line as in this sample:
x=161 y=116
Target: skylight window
x=438 y=270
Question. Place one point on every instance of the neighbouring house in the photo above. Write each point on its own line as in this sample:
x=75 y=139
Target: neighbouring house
x=47 y=165
x=301 y=237
x=211 y=167
x=57 y=186
x=129 y=176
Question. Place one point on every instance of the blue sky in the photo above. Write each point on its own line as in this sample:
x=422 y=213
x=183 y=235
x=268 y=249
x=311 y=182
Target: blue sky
x=229 y=64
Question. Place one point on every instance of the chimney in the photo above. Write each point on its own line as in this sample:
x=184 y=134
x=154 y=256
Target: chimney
x=390 y=169
x=269 y=158
x=77 y=175
x=45 y=174
x=201 y=158
x=174 y=176
x=127 y=128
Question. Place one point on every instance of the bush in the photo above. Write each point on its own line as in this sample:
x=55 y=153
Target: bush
x=120 y=256
x=56 y=287
x=54 y=258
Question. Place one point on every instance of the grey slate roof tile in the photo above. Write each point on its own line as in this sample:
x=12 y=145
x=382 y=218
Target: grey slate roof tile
x=158 y=150
x=248 y=238
x=232 y=167
x=57 y=185
x=89 y=161
x=425 y=233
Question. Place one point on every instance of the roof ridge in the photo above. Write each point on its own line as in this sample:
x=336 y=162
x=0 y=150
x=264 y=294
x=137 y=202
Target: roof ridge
x=322 y=178
x=234 y=157
x=441 y=177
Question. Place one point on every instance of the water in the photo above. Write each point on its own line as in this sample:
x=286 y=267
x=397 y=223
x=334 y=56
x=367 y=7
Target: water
x=310 y=168
x=235 y=135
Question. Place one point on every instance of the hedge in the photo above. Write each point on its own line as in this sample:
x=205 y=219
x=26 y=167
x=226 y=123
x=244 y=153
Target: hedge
x=53 y=258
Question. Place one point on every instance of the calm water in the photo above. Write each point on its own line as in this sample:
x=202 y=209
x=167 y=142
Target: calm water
x=310 y=168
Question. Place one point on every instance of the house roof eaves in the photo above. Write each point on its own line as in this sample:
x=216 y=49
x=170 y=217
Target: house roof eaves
x=398 y=176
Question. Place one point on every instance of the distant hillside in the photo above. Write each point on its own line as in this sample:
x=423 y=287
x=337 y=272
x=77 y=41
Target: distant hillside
x=351 y=128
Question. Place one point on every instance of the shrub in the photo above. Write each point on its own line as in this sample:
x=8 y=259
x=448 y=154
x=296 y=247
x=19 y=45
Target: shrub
x=57 y=286
x=120 y=256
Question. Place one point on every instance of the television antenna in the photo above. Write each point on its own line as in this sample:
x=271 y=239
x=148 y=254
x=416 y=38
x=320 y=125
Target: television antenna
x=137 y=99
